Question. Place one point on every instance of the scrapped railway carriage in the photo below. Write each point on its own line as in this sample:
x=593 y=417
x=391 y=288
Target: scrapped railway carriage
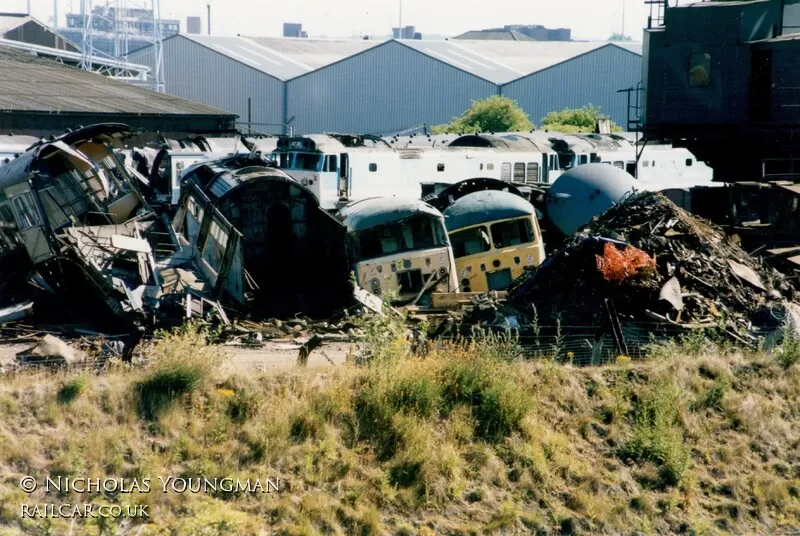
x=263 y=238
x=75 y=178
x=494 y=236
x=78 y=214
x=399 y=248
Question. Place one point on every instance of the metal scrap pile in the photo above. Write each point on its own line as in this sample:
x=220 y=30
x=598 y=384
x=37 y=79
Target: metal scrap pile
x=647 y=260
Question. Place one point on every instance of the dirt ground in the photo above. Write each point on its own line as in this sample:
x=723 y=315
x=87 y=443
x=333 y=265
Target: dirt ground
x=274 y=356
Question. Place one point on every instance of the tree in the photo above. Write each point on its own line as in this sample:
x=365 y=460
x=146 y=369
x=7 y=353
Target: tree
x=576 y=120
x=493 y=114
x=620 y=37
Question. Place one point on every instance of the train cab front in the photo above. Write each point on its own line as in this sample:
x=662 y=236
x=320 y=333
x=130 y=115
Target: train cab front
x=399 y=249
x=494 y=235
x=308 y=164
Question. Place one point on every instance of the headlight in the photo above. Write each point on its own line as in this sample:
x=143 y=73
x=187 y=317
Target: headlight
x=375 y=283
x=442 y=271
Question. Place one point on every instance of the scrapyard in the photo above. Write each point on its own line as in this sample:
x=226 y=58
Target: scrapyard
x=129 y=241
x=188 y=214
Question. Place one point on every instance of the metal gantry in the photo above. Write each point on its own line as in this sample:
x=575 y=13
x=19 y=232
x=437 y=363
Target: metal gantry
x=119 y=66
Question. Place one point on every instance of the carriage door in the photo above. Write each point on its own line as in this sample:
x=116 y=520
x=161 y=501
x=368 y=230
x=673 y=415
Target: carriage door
x=29 y=221
x=344 y=175
x=546 y=160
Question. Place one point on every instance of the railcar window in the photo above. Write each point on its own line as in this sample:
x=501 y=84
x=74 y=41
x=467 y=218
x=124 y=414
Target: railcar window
x=645 y=163
x=330 y=163
x=584 y=159
x=373 y=167
x=619 y=164
x=512 y=233
x=308 y=161
x=440 y=167
x=284 y=160
x=420 y=232
x=27 y=213
x=470 y=242
x=490 y=166
x=689 y=162
x=700 y=70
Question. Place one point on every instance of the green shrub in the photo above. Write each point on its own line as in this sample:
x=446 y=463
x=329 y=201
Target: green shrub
x=501 y=409
x=72 y=389
x=789 y=351
x=656 y=435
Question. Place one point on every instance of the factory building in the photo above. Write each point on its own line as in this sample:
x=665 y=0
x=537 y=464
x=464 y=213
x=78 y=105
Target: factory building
x=245 y=76
x=302 y=86
x=394 y=86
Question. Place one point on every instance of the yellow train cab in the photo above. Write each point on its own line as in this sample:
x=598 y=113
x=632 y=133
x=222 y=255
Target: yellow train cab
x=494 y=236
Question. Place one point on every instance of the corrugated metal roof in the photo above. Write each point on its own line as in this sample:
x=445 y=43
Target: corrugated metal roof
x=463 y=57
x=283 y=58
x=500 y=35
x=314 y=53
x=374 y=211
x=485 y=206
x=636 y=48
x=527 y=57
x=33 y=84
x=496 y=61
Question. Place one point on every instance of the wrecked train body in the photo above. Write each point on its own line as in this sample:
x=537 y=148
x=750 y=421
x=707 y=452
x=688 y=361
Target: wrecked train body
x=75 y=209
x=263 y=239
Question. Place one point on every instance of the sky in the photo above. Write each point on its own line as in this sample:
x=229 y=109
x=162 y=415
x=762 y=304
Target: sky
x=588 y=19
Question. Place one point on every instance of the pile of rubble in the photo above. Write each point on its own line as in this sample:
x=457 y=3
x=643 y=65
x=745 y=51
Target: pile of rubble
x=647 y=260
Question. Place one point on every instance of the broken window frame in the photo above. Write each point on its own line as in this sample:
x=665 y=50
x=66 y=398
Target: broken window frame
x=406 y=233
x=26 y=211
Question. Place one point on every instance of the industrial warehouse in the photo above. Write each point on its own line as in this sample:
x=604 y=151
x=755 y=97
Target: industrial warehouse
x=308 y=86
x=377 y=268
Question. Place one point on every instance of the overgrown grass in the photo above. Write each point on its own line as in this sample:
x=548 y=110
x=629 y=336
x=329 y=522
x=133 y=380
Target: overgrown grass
x=467 y=439
x=182 y=362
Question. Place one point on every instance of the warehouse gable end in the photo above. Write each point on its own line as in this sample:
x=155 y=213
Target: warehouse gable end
x=385 y=89
x=591 y=78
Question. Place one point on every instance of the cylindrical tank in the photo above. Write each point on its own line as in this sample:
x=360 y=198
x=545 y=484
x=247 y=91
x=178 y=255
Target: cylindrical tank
x=584 y=192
